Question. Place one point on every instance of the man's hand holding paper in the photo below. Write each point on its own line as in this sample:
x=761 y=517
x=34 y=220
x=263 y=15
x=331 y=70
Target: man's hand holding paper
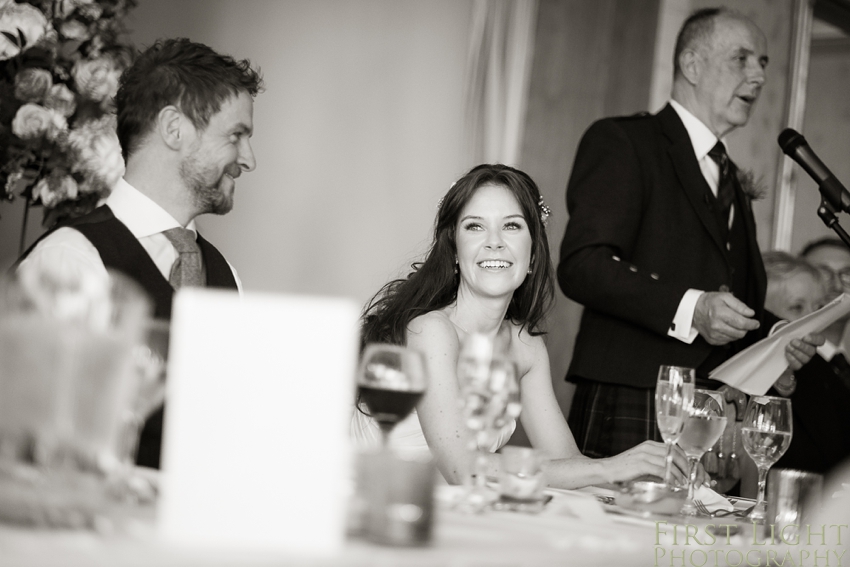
x=755 y=369
x=720 y=318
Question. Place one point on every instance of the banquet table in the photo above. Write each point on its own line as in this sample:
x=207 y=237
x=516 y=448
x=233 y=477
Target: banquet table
x=560 y=535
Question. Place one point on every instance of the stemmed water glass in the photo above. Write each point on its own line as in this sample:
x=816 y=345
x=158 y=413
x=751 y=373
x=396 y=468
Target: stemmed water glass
x=674 y=393
x=489 y=400
x=390 y=381
x=767 y=431
x=705 y=424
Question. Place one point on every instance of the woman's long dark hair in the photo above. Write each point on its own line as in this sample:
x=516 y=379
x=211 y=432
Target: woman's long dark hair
x=433 y=283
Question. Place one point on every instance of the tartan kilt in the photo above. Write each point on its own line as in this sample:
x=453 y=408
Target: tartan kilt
x=607 y=419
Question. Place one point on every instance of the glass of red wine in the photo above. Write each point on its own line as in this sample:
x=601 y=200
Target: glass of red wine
x=390 y=382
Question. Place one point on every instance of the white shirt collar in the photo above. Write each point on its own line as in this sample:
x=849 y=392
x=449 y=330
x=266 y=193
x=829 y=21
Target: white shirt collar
x=141 y=214
x=827 y=350
x=702 y=139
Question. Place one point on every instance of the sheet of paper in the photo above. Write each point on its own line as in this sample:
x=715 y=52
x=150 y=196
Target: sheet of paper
x=256 y=452
x=755 y=369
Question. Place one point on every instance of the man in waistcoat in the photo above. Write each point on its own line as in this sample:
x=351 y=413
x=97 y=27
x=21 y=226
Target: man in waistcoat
x=185 y=118
x=661 y=245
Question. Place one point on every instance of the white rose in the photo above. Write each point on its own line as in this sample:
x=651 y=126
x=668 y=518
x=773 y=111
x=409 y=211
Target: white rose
x=32 y=121
x=91 y=11
x=61 y=99
x=96 y=79
x=107 y=163
x=32 y=84
x=74 y=29
x=98 y=151
x=67 y=7
x=24 y=17
x=13 y=180
x=54 y=189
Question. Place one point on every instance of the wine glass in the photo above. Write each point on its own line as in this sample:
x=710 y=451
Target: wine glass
x=766 y=430
x=490 y=399
x=390 y=381
x=705 y=424
x=674 y=393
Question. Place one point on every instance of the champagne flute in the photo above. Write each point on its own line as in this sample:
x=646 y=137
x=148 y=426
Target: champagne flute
x=705 y=424
x=767 y=431
x=674 y=393
x=489 y=397
x=489 y=401
x=390 y=381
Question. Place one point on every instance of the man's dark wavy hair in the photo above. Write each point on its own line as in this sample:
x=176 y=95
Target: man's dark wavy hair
x=179 y=72
x=433 y=283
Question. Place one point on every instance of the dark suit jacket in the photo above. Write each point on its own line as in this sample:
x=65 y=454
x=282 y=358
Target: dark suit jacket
x=641 y=232
x=819 y=406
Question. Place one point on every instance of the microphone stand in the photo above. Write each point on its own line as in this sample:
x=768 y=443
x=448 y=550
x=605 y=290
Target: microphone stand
x=827 y=214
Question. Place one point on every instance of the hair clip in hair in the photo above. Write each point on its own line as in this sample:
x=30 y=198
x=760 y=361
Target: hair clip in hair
x=545 y=211
x=440 y=203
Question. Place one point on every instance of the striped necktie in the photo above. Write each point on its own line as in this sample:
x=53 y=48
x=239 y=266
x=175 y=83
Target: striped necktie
x=725 y=186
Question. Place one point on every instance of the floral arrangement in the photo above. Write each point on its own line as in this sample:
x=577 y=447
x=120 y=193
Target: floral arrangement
x=753 y=187
x=60 y=61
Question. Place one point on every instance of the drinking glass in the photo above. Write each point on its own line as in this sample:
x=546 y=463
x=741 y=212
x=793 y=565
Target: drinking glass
x=390 y=381
x=521 y=481
x=705 y=424
x=490 y=399
x=766 y=431
x=674 y=392
x=150 y=357
x=66 y=385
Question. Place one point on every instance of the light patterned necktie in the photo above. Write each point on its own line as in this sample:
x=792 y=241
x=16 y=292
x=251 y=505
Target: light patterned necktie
x=187 y=269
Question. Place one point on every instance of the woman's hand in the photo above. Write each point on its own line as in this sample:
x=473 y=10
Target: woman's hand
x=649 y=458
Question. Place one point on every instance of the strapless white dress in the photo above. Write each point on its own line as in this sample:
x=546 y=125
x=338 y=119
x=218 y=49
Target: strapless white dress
x=407 y=437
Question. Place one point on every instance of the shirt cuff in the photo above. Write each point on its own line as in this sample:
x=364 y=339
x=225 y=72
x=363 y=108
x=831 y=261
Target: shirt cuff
x=682 y=327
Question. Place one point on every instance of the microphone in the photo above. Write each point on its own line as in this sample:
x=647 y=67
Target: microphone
x=794 y=145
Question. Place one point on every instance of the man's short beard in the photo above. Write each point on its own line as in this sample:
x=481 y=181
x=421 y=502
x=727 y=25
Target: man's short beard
x=207 y=198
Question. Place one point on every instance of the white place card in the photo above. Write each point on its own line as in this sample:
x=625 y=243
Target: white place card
x=255 y=449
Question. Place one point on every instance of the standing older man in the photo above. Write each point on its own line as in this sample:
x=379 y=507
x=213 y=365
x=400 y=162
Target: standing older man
x=661 y=243
x=185 y=116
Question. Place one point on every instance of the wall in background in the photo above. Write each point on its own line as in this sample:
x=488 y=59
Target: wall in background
x=826 y=128
x=593 y=58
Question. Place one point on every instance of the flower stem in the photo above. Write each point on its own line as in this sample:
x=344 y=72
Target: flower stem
x=24 y=227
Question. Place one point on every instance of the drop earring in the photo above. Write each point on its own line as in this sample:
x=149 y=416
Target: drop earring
x=456 y=262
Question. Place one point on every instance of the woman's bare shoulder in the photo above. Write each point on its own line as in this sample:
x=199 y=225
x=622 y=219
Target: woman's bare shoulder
x=525 y=348
x=434 y=325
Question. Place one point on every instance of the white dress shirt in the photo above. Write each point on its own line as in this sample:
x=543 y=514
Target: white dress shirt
x=827 y=350
x=68 y=251
x=702 y=140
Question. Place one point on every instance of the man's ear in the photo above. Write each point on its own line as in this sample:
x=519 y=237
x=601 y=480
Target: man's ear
x=690 y=62
x=173 y=126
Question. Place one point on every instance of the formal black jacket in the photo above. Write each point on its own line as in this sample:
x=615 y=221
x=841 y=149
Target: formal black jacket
x=643 y=229
x=820 y=406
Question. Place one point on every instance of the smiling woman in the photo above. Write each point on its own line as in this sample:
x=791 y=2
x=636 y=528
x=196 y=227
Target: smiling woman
x=488 y=272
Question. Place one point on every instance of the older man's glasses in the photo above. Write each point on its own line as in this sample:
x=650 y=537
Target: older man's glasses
x=841 y=277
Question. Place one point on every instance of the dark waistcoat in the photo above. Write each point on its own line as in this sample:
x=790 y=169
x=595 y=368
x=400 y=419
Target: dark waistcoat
x=120 y=250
